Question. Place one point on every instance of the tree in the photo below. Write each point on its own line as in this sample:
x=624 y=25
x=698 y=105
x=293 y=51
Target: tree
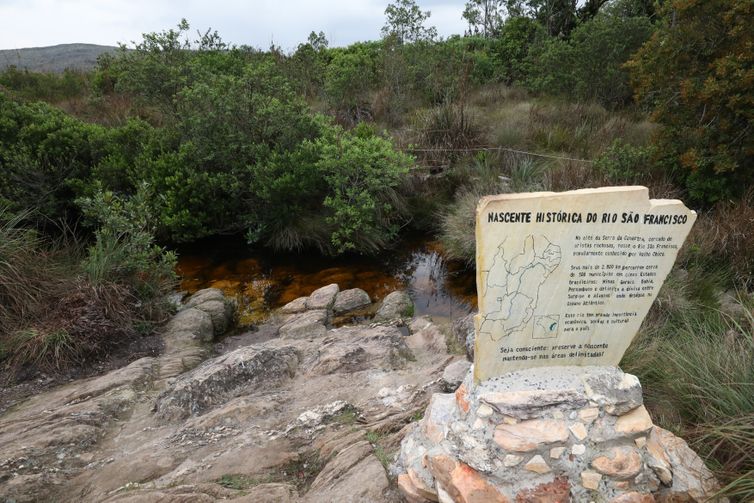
x=485 y=17
x=696 y=74
x=405 y=21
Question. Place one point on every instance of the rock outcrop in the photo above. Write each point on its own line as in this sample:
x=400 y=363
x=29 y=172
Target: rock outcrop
x=555 y=434
x=313 y=415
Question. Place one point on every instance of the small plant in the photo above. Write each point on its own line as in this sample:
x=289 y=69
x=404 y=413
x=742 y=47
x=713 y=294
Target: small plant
x=302 y=471
x=241 y=482
x=375 y=438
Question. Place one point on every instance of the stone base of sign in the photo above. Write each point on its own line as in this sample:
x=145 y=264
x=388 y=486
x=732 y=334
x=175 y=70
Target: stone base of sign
x=554 y=434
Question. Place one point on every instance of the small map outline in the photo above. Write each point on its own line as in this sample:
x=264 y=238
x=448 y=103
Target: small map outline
x=514 y=281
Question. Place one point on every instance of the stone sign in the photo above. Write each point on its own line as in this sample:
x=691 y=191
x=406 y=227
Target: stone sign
x=567 y=278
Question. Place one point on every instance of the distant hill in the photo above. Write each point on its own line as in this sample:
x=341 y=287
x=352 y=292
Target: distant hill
x=55 y=58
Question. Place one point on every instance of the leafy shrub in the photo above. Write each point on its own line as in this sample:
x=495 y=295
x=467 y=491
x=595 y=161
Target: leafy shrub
x=45 y=154
x=589 y=65
x=124 y=251
x=362 y=173
x=512 y=47
x=624 y=164
x=695 y=76
x=349 y=79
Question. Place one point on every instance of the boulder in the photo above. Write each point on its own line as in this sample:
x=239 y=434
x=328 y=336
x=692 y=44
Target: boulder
x=395 y=305
x=295 y=306
x=220 y=311
x=194 y=321
x=348 y=300
x=308 y=324
x=202 y=296
x=323 y=298
x=453 y=375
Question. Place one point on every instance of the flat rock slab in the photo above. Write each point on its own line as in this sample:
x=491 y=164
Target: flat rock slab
x=567 y=278
x=218 y=380
x=526 y=393
x=308 y=324
x=348 y=300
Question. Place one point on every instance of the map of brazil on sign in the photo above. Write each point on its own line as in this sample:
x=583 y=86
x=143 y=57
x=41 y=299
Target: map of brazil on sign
x=514 y=281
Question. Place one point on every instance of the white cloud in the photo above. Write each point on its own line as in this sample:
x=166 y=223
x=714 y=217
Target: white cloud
x=257 y=22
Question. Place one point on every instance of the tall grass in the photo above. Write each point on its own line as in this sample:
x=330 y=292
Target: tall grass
x=695 y=359
x=61 y=305
x=28 y=275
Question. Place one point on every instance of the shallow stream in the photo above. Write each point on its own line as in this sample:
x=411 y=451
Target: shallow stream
x=263 y=281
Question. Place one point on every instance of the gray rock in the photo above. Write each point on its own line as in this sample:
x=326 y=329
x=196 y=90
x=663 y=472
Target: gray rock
x=395 y=305
x=691 y=479
x=357 y=348
x=295 y=306
x=218 y=380
x=463 y=331
x=323 y=298
x=221 y=312
x=194 y=321
x=453 y=375
x=426 y=336
x=526 y=393
x=354 y=474
x=610 y=387
x=348 y=300
x=308 y=324
x=203 y=296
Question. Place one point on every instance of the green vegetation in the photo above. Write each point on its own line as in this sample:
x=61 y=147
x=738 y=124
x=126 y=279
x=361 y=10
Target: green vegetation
x=339 y=149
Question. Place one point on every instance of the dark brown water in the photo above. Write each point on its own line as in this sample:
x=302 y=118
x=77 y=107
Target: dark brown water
x=262 y=281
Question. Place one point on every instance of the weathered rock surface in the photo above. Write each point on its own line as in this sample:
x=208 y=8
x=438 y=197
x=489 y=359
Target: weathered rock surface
x=283 y=420
x=426 y=335
x=463 y=331
x=453 y=375
x=295 y=306
x=217 y=381
x=349 y=300
x=193 y=321
x=395 y=305
x=554 y=434
x=307 y=324
x=205 y=295
x=323 y=298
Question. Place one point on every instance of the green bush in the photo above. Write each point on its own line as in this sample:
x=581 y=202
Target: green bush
x=625 y=164
x=694 y=74
x=590 y=65
x=350 y=78
x=124 y=251
x=362 y=173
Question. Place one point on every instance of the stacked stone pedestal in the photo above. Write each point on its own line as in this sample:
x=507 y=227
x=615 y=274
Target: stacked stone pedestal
x=553 y=434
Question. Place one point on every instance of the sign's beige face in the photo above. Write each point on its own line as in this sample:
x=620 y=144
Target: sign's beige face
x=567 y=278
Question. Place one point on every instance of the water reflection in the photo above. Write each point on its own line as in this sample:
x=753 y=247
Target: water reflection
x=262 y=281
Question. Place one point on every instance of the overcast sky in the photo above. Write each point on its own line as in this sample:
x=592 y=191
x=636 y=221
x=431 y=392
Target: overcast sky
x=35 y=23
